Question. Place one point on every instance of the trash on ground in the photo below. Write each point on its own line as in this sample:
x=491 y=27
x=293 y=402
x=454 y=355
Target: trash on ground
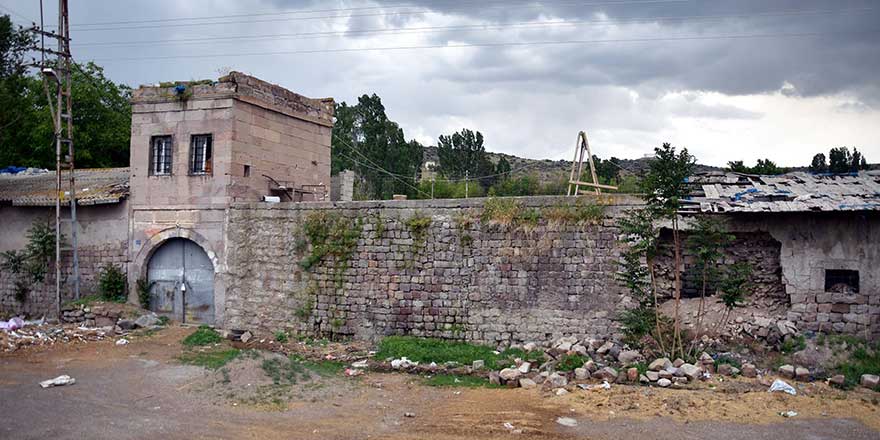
x=788 y=414
x=780 y=385
x=122 y=341
x=58 y=381
x=350 y=372
x=360 y=364
x=409 y=414
x=13 y=324
x=567 y=421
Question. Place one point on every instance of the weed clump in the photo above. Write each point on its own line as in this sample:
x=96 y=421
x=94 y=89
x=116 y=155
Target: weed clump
x=426 y=350
x=204 y=335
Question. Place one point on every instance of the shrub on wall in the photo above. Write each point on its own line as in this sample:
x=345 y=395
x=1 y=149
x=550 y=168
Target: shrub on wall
x=111 y=285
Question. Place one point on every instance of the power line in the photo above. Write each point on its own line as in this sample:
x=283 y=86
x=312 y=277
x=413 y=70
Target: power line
x=427 y=29
x=277 y=13
x=376 y=167
x=376 y=14
x=17 y=14
x=496 y=44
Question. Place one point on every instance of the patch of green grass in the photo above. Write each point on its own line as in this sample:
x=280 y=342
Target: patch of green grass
x=204 y=335
x=164 y=320
x=794 y=344
x=641 y=366
x=449 y=380
x=722 y=359
x=212 y=359
x=84 y=301
x=426 y=350
x=571 y=361
x=865 y=359
x=284 y=371
x=281 y=336
x=323 y=368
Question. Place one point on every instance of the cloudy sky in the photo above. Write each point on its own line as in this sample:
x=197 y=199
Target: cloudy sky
x=728 y=79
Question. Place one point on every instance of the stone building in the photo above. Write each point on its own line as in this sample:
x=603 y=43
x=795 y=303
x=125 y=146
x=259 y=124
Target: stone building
x=196 y=148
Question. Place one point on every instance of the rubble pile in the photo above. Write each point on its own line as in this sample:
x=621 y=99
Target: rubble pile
x=43 y=333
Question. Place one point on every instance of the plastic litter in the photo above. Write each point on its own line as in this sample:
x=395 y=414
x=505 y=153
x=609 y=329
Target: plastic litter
x=780 y=385
x=567 y=421
x=122 y=341
x=360 y=364
x=788 y=414
x=13 y=324
x=353 y=372
x=605 y=385
x=58 y=381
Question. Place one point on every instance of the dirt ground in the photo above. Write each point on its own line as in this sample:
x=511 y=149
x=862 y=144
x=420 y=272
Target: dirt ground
x=141 y=391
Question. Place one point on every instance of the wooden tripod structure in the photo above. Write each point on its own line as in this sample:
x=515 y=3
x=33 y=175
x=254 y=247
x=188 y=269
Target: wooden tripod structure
x=577 y=168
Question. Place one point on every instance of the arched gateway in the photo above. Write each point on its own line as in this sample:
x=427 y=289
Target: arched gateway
x=181 y=278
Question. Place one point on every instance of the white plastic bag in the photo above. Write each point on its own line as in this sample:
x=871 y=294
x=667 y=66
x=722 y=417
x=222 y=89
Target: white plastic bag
x=780 y=385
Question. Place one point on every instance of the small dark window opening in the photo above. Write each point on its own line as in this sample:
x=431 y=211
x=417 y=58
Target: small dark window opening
x=161 y=150
x=200 y=154
x=247 y=171
x=841 y=281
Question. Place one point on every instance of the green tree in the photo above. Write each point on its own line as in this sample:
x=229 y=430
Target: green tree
x=706 y=240
x=818 y=165
x=101 y=112
x=664 y=186
x=462 y=155
x=839 y=160
x=365 y=140
x=763 y=166
x=502 y=169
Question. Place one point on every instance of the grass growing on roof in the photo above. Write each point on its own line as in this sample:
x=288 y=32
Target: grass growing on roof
x=204 y=335
x=426 y=350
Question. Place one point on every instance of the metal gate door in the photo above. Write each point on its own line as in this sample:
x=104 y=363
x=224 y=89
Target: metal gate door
x=181 y=280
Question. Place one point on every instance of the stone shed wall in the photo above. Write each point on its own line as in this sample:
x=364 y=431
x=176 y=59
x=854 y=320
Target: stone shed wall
x=465 y=279
x=102 y=237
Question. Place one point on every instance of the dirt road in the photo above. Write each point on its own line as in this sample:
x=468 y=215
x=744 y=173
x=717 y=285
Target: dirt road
x=140 y=391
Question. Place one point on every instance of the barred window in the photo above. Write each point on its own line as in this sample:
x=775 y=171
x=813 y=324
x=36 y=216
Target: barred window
x=160 y=156
x=200 y=154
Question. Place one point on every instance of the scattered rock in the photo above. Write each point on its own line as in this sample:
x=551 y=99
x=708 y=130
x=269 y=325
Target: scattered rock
x=581 y=373
x=494 y=378
x=509 y=374
x=705 y=358
x=664 y=382
x=478 y=364
x=557 y=380
x=525 y=367
x=749 y=370
x=606 y=373
x=725 y=369
x=870 y=381
x=660 y=364
x=632 y=374
x=530 y=346
x=666 y=374
x=787 y=371
x=678 y=362
x=838 y=380
x=567 y=421
x=580 y=349
x=561 y=391
x=692 y=372
x=126 y=324
x=802 y=374
x=644 y=379
x=591 y=366
x=605 y=348
x=565 y=343
x=147 y=320
x=629 y=357
x=653 y=376
x=245 y=337
x=527 y=383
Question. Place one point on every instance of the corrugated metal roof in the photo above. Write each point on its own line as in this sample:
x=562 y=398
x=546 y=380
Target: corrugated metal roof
x=793 y=192
x=93 y=187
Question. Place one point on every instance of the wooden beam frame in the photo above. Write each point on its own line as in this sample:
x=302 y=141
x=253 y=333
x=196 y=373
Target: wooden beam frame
x=577 y=166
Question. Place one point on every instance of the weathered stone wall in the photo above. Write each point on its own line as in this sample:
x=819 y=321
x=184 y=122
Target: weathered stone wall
x=102 y=237
x=466 y=279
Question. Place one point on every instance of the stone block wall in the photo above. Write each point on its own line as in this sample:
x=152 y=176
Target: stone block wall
x=460 y=278
x=40 y=300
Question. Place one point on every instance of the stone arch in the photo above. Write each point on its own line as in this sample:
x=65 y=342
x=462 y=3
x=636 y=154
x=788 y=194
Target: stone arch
x=157 y=240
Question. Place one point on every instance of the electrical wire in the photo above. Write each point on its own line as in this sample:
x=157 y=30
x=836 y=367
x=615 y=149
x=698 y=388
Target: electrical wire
x=502 y=5
x=493 y=44
x=474 y=27
x=376 y=167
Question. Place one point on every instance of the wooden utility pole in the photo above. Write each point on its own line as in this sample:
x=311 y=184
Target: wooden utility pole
x=56 y=68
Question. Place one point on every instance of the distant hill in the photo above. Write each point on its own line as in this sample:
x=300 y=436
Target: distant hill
x=552 y=170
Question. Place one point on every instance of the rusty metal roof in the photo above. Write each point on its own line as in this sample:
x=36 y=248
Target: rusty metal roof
x=93 y=187
x=722 y=192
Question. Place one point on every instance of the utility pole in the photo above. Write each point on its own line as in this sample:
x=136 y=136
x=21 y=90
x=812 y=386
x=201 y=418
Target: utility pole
x=56 y=72
x=467 y=174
